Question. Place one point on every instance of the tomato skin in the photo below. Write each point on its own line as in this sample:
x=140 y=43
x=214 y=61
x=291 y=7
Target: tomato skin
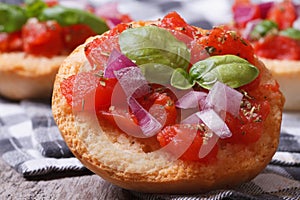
x=165 y=136
x=42 y=38
x=283 y=13
x=123 y=118
x=94 y=49
x=278 y=47
x=11 y=42
x=248 y=128
x=175 y=22
x=85 y=91
x=75 y=35
x=164 y=110
x=220 y=41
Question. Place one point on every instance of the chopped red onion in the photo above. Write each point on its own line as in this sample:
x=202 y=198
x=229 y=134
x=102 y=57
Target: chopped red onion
x=296 y=23
x=135 y=85
x=243 y=13
x=116 y=61
x=223 y=98
x=192 y=119
x=132 y=81
x=110 y=12
x=191 y=100
x=264 y=8
x=148 y=124
x=107 y=10
x=214 y=122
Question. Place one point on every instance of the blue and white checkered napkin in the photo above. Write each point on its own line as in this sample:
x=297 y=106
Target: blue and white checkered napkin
x=30 y=141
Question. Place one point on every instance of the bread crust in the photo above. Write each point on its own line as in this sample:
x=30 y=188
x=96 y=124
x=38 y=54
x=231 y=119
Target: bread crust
x=24 y=76
x=122 y=159
x=287 y=73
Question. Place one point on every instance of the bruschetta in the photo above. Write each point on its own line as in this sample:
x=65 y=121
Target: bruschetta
x=273 y=28
x=34 y=39
x=165 y=107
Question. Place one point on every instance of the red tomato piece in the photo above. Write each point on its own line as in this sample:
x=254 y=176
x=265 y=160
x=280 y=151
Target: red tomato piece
x=160 y=103
x=165 y=136
x=11 y=42
x=42 y=38
x=283 y=13
x=164 y=110
x=278 y=47
x=75 y=35
x=220 y=41
x=87 y=91
x=125 y=120
x=174 y=21
x=97 y=51
x=248 y=127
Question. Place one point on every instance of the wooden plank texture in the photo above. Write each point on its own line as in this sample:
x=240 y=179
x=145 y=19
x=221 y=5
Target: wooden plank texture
x=14 y=186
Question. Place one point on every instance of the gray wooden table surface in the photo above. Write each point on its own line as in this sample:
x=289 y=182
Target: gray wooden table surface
x=15 y=186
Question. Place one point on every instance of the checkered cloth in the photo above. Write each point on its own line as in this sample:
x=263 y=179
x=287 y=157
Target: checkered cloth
x=31 y=143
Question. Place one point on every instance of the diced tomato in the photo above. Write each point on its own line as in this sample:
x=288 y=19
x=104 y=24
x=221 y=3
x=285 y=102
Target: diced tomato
x=283 y=13
x=120 y=117
x=11 y=42
x=278 y=47
x=164 y=110
x=125 y=18
x=87 y=91
x=220 y=41
x=75 y=35
x=165 y=136
x=252 y=85
x=173 y=21
x=248 y=127
x=160 y=103
x=97 y=51
x=42 y=38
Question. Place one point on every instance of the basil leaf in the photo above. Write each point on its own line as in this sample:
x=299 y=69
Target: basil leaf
x=156 y=73
x=34 y=7
x=180 y=79
x=291 y=32
x=262 y=28
x=70 y=16
x=151 y=44
x=12 y=18
x=228 y=69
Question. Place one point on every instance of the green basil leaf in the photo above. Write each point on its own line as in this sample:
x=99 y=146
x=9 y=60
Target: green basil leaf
x=180 y=79
x=34 y=7
x=263 y=28
x=151 y=44
x=291 y=32
x=12 y=18
x=70 y=16
x=228 y=69
x=156 y=73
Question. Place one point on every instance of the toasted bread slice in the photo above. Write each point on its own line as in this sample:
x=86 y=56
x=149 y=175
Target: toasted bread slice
x=25 y=76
